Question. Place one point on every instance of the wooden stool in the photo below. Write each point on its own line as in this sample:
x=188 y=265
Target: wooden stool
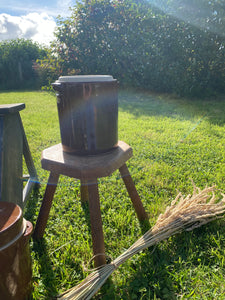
x=88 y=169
x=13 y=147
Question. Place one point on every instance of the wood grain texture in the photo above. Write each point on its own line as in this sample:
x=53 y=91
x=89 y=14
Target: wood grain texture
x=85 y=167
x=11 y=152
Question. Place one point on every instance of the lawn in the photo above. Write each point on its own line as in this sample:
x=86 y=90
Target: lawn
x=174 y=141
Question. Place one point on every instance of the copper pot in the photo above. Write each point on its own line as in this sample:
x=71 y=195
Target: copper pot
x=15 y=260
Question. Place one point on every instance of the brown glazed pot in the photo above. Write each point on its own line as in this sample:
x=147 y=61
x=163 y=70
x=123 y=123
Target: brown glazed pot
x=88 y=113
x=15 y=259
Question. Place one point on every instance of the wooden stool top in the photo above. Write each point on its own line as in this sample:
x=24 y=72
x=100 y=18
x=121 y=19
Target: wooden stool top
x=85 y=167
x=11 y=108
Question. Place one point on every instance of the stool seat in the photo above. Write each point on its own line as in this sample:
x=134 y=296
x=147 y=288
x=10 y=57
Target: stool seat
x=88 y=166
x=88 y=169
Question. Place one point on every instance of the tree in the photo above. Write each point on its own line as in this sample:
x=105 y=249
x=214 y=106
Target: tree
x=104 y=36
x=142 y=46
x=16 y=63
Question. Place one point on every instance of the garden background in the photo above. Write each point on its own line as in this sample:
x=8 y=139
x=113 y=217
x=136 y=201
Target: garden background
x=179 y=49
x=171 y=112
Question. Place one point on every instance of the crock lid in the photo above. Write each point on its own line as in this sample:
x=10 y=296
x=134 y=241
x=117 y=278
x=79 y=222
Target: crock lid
x=11 y=222
x=86 y=78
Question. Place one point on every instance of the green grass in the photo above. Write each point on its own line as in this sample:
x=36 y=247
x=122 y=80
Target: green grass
x=173 y=140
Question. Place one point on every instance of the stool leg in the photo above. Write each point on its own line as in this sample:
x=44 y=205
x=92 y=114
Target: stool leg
x=46 y=206
x=96 y=224
x=84 y=191
x=128 y=181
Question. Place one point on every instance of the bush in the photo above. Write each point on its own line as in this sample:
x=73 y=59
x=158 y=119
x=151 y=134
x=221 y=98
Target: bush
x=16 y=64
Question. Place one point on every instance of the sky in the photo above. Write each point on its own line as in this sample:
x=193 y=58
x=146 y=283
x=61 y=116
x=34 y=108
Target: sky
x=36 y=19
x=31 y=19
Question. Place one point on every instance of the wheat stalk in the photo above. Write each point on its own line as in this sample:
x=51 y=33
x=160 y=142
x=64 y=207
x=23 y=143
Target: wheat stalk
x=183 y=214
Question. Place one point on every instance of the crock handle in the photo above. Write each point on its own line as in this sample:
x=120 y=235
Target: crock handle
x=57 y=86
x=27 y=232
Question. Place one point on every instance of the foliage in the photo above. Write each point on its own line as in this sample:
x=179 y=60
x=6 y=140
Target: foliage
x=198 y=35
x=144 y=46
x=173 y=140
x=104 y=37
x=208 y=15
x=16 y=64
x=48 y=69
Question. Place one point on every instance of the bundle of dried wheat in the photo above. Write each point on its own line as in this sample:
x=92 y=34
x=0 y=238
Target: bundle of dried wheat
x=183 y=214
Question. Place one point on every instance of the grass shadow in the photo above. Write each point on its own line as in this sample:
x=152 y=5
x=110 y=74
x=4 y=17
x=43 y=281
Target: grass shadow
x=32 y=204
x=47 y=274
x=141 y=103
x=164 y=271
x=145 y=226
x=85 y=207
